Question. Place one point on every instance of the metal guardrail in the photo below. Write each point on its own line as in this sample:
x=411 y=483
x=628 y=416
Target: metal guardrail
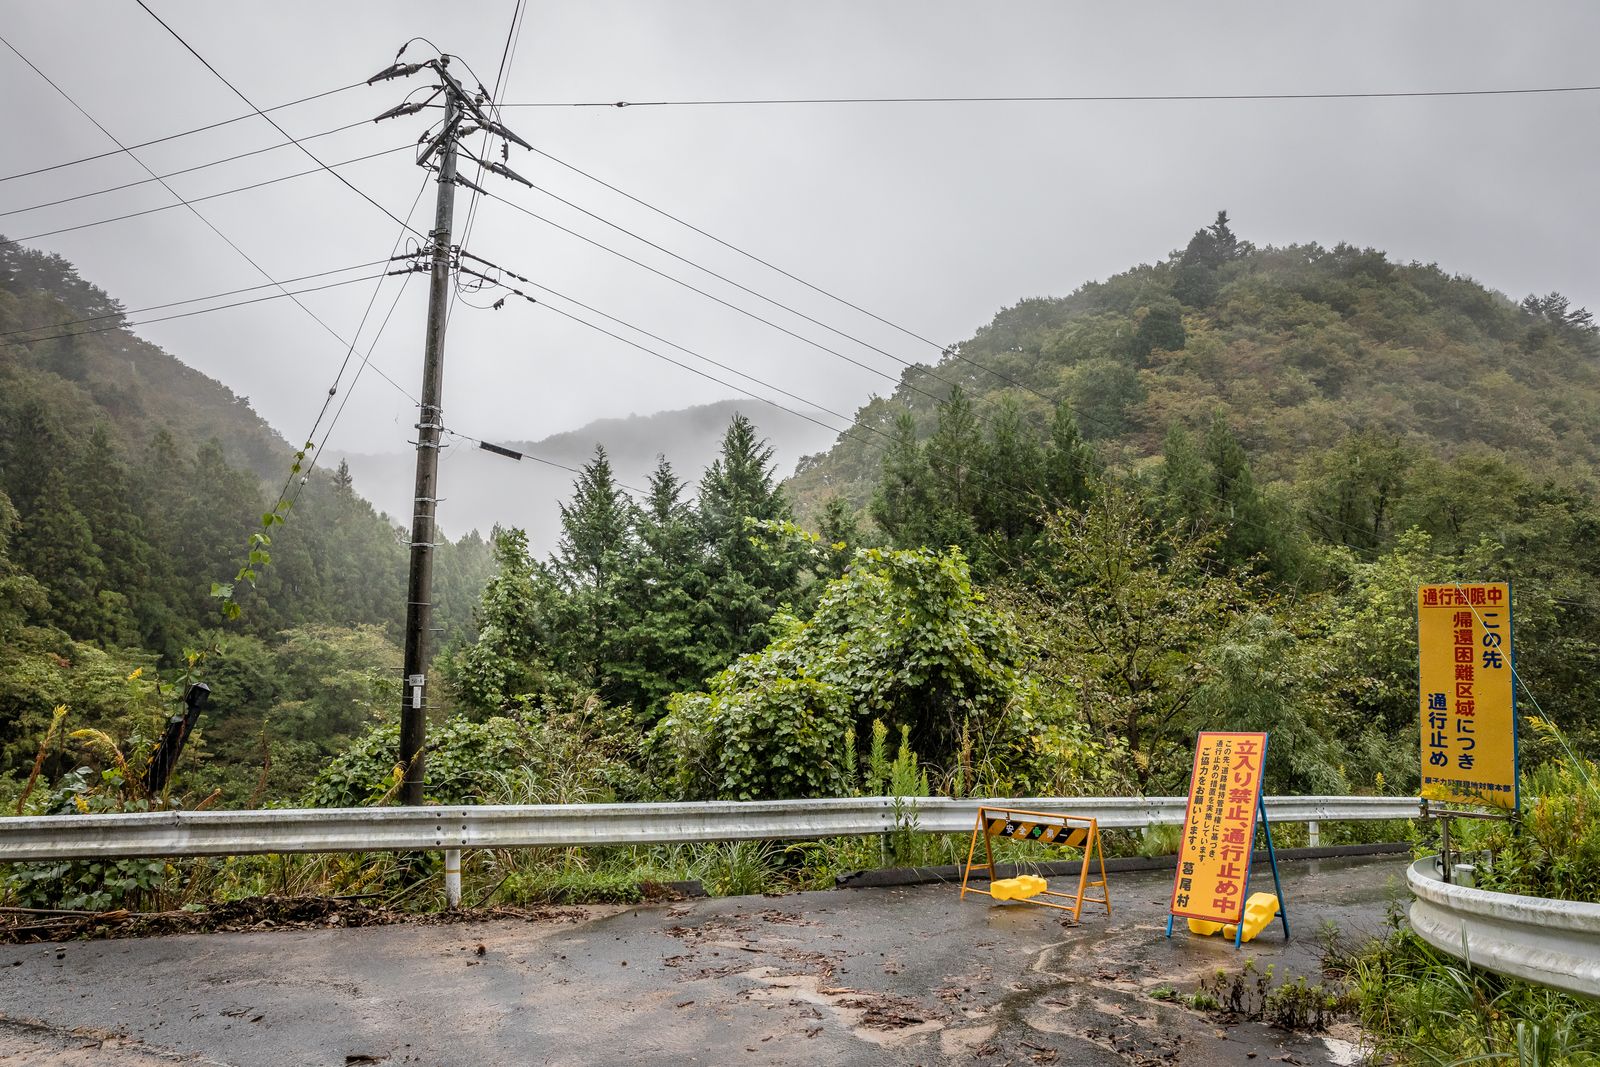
x=1553 y=942
x=230 y=833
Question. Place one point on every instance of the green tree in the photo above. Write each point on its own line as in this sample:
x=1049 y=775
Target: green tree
x=1070 y=468
x=57 y=547
x=521 y=622
x=903 y=637
x=1128 y=613
x=658 y=650
x=746 y=580
x=904 y=502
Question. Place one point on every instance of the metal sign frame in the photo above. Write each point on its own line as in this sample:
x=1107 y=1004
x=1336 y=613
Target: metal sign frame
x=1068 y=831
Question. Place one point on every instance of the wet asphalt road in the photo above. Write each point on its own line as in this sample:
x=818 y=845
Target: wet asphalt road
x=880 y=976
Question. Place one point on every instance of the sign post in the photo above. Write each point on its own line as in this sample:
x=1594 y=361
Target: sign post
x=1217 y=851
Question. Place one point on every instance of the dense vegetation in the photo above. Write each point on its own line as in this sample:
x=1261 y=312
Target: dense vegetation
x=128 y=485
x=1200 y=493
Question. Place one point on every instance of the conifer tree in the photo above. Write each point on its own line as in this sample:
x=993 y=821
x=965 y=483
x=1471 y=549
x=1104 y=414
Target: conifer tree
x=659 y=649
x=57 y=547
x=1070 y=468
x=746 y=581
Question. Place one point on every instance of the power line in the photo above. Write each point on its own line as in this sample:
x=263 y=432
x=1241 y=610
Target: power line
x=192 y=300
x=175 y=173
x=723 y=278
x=1016 y=492
x=709 y=296
x=735 y=248
x=198 y=311
x=1020 y=493
x=1069 y=99
x=175 y=194
x=513 y=36
x=174 y=136
x=901 y=382
x=274 y=123
x=931 y=371
x=345 y=399
x=198 y=199
x=646 y=333
x=942 y=349
x=366 y=359
x=512 y=453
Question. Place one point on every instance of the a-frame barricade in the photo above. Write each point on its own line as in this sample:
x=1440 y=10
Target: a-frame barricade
x=1066 y=831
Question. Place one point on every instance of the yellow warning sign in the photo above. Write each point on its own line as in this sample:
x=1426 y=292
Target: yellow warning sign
x=1468 y=715
x=1219 y=829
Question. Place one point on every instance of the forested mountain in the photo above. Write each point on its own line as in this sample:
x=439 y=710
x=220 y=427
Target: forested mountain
x=129 y=484
x=1297 y=349
x=1198 y=494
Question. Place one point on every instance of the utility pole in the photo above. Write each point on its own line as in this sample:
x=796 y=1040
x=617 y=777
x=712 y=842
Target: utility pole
x=439 y=153
x=419 y=586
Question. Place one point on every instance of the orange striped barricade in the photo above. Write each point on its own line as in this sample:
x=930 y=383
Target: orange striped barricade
x=1068 y=831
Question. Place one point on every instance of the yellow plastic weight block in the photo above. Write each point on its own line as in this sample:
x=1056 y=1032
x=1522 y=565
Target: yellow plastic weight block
x=1259 y=911
x=1019 y=888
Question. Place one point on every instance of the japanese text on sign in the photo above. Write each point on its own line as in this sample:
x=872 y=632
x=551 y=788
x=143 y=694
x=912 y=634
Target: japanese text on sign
x=1468 y=716
x=1219 y=829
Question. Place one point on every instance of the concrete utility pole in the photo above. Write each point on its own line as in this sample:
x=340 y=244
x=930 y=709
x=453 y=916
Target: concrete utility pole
x=419 y=586
x=463 y=115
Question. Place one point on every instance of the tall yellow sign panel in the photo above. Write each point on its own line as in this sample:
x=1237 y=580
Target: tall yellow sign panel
x=1219 y=829
x=1469 y=726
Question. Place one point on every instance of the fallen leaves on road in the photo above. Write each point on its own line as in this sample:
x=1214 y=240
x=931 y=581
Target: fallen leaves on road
x=253 y=913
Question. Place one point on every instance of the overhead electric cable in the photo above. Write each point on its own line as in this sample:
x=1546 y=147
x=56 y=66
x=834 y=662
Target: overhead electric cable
x=724 y=278
x=1081 y=98
x=735 y=248
x=274 y=123
x=899 y=381
x=512 y=453
x=191 y=300
x=174 y=136
x=513 y=36
x=197 y=311
x=1017 y=492
x=176 y=195
x=1020 y=492
x=646 y=333
x=679 y=281
x=175 y=173
x=197 y=199
x=322 y=442
x=931 y=371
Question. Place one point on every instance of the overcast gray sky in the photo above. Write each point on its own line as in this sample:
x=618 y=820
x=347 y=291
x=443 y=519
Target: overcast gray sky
x=931 y=215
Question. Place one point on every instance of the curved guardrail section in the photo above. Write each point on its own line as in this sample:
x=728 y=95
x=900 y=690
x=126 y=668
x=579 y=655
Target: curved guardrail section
x=236 y=833
x=1553 y=942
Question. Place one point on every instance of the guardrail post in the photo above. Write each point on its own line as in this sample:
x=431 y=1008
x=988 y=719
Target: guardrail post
x=452 y=877
x=1313 y=834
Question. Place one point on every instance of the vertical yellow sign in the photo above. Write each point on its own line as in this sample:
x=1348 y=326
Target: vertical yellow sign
x=1469 y=726
x=1220 y=827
